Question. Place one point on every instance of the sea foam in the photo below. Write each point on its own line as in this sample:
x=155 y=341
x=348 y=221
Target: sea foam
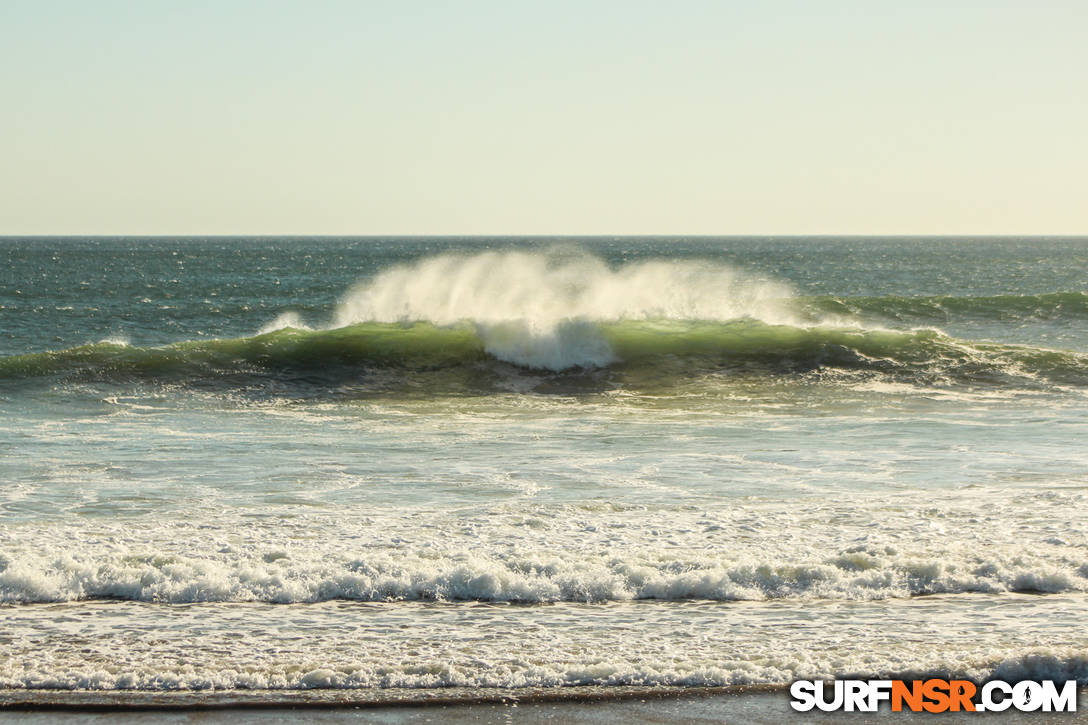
x=519 y=555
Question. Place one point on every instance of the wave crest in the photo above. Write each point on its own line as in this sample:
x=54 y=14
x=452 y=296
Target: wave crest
x=536 y=308
x=542 y=289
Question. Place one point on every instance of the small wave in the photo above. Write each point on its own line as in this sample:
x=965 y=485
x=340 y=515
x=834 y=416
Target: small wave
x=600 y=678
x=945 y=308
x=534 y=578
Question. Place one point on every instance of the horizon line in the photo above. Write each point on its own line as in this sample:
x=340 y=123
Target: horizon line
x=507 y=235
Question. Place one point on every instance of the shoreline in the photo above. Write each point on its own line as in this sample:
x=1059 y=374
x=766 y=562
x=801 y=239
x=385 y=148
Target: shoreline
x=594 y=704
x=145 y=700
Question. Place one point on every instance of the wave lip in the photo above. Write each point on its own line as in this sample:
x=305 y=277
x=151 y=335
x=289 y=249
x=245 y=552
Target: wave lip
x=543 y=289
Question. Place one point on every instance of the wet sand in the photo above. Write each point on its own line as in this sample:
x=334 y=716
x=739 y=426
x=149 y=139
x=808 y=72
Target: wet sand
x=758 y=705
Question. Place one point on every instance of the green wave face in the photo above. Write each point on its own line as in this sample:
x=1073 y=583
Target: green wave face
x=634 y=354
x=921 y=356
x=370 y=345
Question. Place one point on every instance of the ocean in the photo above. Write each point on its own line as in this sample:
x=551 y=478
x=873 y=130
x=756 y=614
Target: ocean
x=302 y=464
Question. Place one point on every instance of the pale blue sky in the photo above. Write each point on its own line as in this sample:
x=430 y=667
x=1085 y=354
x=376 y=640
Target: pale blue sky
x=822 y=117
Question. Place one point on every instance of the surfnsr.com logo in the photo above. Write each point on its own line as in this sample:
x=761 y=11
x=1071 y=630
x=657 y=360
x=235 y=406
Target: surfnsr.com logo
x=933 y=695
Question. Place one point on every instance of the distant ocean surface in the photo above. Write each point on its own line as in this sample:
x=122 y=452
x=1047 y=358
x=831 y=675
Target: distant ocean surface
x=370 y=463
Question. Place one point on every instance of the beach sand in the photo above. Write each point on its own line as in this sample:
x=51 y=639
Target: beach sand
x=402 y=707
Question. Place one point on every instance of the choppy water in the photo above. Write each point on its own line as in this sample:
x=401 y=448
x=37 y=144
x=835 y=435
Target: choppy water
x=297 y=463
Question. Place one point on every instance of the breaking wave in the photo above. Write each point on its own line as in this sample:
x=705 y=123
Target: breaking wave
x=540 y=577
x=563 y=311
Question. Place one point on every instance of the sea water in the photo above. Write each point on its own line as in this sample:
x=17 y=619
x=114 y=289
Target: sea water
x=360 y=462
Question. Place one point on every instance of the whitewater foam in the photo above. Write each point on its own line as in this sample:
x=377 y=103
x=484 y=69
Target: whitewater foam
x=133 y=646
x=507 y=554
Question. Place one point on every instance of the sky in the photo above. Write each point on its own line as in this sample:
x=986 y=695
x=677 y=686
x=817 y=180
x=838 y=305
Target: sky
x=545 y=118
